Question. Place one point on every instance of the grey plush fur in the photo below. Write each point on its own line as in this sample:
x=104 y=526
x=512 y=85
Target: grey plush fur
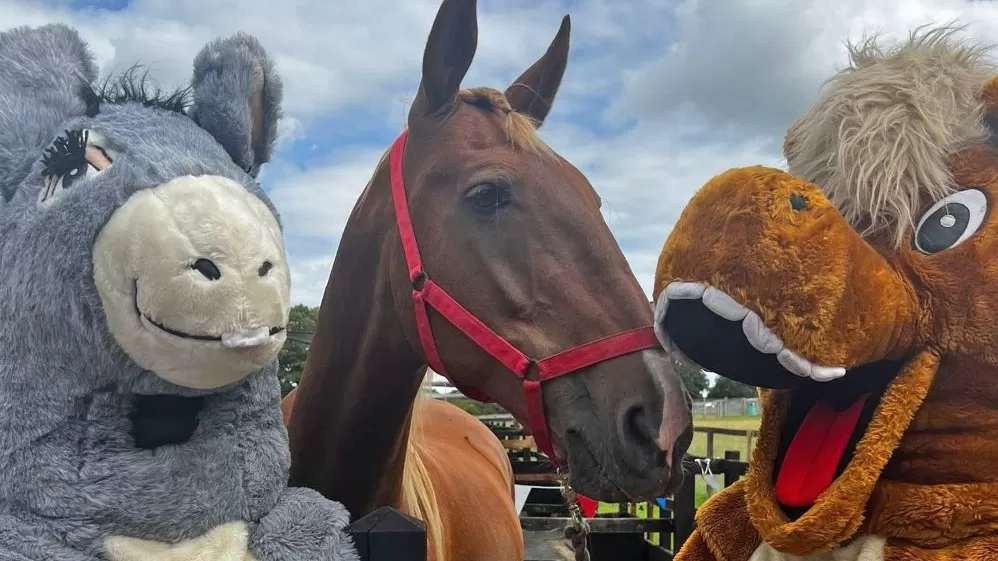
x=70 y=473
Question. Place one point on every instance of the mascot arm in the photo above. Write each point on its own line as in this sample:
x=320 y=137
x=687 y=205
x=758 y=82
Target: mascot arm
x=304 y=526
x=20 y=540
x=724 y=530
x=976 y=549
x=695 y=549
x=288 y=523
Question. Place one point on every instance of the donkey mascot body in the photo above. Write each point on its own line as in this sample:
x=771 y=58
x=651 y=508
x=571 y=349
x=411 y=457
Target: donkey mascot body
x=143 y=300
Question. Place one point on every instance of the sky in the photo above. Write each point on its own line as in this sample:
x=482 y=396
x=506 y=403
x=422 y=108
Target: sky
x=659 y=95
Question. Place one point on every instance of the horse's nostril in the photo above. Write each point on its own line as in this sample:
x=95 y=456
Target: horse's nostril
x=265 y=268
x=207 y=268
x=637 y=426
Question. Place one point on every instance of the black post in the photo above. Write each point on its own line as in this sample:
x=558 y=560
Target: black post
x=684 y=502
x=733 y=468
x=388 y=535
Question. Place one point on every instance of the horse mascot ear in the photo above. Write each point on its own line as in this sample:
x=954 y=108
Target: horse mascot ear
x=859 y=292
x=143 y=301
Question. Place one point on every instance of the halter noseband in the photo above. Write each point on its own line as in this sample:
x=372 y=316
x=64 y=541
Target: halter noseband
x=428 y=294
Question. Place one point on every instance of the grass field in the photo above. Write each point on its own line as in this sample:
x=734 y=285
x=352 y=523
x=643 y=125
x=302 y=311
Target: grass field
x=722 y=443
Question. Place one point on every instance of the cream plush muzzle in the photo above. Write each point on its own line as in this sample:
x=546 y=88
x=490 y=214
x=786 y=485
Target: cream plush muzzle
x=194 y=281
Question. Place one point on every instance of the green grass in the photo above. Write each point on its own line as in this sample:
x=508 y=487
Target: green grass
x=722 y=443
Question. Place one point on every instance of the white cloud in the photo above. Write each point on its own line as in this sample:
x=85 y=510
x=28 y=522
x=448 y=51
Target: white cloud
x=331 y=54
x=759 y=63
x=712 y=83
x=315 y=203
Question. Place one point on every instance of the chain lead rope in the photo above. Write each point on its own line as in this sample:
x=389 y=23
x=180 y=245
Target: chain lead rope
x=578 y=532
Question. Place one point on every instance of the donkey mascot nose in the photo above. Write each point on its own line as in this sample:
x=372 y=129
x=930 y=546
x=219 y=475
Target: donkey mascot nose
x=144 y=296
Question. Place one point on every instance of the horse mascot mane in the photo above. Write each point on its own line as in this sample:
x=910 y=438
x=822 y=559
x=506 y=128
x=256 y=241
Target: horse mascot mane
x=859 y=291
x=143 y=301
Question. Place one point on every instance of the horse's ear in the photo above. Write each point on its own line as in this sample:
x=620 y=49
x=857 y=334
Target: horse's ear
x=449 y=51
x=533 y=93
x=237 y=98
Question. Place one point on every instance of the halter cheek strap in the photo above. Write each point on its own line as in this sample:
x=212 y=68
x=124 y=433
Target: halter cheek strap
x=428 y=294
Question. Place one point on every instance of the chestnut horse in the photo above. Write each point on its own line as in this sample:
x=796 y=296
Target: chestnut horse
x=475 y=247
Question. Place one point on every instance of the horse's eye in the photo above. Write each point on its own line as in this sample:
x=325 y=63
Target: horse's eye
x=487 y=198
x=951 y=221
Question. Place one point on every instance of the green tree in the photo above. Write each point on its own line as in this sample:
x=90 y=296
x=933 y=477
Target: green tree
x=693 y=378
x=726 y=387
x=301 y=324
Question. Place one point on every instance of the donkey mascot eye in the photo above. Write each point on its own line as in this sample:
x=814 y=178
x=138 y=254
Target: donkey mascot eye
x=70 y=158
x=144 y=299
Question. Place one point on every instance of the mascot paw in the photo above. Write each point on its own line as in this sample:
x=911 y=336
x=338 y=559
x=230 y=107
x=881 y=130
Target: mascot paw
x=304 y=526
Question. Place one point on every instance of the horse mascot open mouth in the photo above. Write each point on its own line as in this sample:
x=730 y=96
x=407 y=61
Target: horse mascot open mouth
x=859 y=292
x=144 y=296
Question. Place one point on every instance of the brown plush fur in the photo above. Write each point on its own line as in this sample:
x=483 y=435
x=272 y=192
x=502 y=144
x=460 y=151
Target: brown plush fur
x=925 y=473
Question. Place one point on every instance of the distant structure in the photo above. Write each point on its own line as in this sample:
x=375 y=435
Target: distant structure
x=441 y=388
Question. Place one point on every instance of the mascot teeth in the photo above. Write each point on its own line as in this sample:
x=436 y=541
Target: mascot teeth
x=756 y=333
x=246 y=338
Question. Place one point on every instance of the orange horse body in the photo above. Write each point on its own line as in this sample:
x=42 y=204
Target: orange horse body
x=469 y=472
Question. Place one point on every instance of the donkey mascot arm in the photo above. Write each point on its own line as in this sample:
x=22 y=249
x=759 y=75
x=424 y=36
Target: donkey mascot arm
x=144 y=297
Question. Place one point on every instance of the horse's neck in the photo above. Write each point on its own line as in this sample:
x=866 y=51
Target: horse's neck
x=349 y=427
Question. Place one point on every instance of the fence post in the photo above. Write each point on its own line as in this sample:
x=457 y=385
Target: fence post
x=730 y=475
x=685 y=508
x=388 y=535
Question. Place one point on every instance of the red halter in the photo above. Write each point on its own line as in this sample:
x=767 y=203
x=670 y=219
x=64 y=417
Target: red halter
x=426 y=293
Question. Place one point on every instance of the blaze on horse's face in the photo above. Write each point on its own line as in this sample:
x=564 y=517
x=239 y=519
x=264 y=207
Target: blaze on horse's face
x=145 y=223
x=514 y=232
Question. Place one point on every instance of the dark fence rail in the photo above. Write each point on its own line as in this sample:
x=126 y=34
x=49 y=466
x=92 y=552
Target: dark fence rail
x=633 y=532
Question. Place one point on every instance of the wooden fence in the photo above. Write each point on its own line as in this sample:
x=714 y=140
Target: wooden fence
x=626 y=532
x=631 y=532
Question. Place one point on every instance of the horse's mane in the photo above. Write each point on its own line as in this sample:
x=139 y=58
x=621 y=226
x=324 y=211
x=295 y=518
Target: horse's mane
x=878 y=140
x=418 y=498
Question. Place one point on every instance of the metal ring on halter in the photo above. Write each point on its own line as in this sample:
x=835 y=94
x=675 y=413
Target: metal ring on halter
x=419 y=281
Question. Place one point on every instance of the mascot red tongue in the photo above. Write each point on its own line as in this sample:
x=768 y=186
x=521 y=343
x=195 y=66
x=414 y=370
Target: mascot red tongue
x=874 y=254
x=815 y=452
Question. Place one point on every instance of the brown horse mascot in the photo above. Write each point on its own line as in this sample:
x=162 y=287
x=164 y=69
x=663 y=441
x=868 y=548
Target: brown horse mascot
x=477 y=250
x=861 y=291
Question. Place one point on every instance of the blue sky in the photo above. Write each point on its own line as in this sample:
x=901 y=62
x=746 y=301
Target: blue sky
x=659 y=96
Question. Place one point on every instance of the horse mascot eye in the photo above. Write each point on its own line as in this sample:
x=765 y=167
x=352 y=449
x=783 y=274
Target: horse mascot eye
x=144 y=299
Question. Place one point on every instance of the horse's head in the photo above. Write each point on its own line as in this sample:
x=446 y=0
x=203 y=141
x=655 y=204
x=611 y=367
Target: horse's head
x=861 y=289
x=135 y=239
x=513 y=232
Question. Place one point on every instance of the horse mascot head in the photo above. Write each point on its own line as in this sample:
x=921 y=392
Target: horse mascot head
x=859 y=291
x=143 y=299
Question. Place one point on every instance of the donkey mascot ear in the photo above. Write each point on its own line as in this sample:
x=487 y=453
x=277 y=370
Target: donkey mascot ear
x=44 y=79
x=237 y=97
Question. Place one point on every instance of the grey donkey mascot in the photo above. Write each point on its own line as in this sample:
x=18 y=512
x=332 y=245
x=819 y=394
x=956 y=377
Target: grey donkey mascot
x=143 y=300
